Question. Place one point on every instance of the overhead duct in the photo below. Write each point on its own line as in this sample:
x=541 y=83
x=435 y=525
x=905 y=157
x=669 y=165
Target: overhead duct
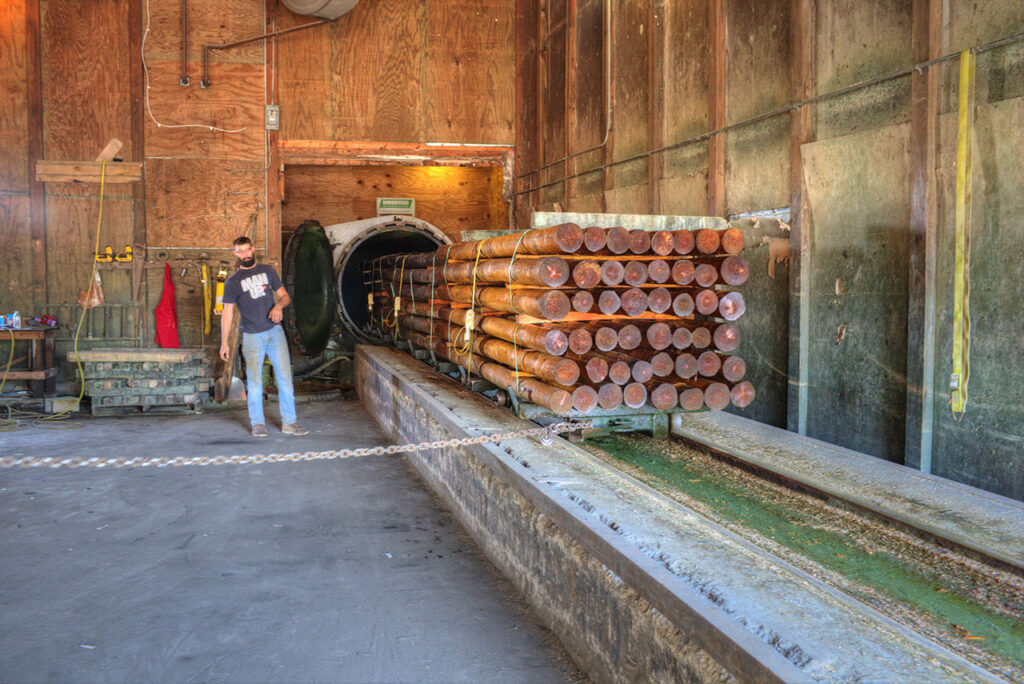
x=325 y=9
x=323 y=270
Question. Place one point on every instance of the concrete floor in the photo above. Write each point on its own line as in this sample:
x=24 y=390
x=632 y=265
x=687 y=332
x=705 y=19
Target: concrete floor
x=344 y=571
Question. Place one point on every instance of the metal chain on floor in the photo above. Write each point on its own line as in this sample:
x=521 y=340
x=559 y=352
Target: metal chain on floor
x=545 y=433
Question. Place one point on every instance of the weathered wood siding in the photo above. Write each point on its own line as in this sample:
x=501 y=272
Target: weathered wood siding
x=72 y=76
x=848 y=303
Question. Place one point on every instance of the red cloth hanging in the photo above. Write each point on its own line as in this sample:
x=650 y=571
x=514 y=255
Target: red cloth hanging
x=166 y=313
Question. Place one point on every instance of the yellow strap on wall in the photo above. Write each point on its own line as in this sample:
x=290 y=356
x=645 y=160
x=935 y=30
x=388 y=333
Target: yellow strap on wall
x=961 y=285
x=207 y=299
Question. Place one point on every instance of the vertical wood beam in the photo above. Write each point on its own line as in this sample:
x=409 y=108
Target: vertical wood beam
x=542 y=88
x=137 y=89
x=274 y=172
x=925 y=89
x=608 y=174
x=569 y=167
x=717 y=105
x=37 y=197
x=802 y=129
x=656 y=101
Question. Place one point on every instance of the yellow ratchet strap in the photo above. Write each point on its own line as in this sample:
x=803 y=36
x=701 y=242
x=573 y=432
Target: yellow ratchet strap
x=961 y=284
x=204 y=270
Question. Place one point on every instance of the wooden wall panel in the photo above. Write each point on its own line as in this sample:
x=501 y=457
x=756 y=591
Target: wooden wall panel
x=631 y=91
x=235 y=101
x=224 y=21
x=203 y=202
x=14 y=102
x=452 y=198
x=377 y=72
x=686 y=104
x=303 y=64
x=16 y=247
x=859 y=200
x=589 y=101
x=71 y=225
x=86 y=102
x=757 y=80
x=470 y=73
x=402 y=71
x=856 y=41
x=85 y=78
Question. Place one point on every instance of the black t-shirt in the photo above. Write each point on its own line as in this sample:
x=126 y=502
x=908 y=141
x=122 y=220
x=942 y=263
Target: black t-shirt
x=252 y=291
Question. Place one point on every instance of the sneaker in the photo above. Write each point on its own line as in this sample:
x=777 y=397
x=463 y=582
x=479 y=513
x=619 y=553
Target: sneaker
x=294 y=429
x=259 y=430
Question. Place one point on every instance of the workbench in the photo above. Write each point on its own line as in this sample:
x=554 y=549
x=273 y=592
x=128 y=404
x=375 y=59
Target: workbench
x=41 y=373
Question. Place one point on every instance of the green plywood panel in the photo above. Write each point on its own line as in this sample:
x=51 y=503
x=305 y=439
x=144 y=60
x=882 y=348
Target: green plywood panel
x=858 y=194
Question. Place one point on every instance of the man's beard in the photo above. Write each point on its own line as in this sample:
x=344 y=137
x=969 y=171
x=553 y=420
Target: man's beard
x=248 y=263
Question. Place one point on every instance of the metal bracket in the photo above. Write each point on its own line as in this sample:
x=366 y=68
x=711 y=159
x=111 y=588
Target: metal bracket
x=184 y=81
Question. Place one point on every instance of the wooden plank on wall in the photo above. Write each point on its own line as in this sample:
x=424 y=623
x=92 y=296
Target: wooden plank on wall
x=208 y=23
x=470 y=67
x=656 y=97
x=802 y=131
x=85 y=84
x=301 y=64
x=630 y=57
x=204 y=203
x=717 y=89
x=234 y=101
x=589 y=102
x=87 y=101
x=14 y=108
x=138 y=137
x=37 y=193
x=758 y=81
x=925 y=91
x=554 y=103
x=377 y=72
x=73 y=219
x=452 y=198
x=16 y=247
x=687 y=105
x=272 y=177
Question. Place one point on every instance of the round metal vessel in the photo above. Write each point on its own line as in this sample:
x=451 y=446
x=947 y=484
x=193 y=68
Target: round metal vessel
x=358 y=242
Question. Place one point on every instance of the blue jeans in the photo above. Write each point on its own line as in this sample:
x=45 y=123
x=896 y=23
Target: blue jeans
x=273 y=344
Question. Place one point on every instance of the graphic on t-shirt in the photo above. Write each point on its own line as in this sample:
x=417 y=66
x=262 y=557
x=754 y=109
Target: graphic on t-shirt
x=256 y=285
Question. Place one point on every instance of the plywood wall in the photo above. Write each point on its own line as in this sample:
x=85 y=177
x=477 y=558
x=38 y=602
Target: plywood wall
x=452 y=198
x=848 y=161
x=76 y=73
x=402 y=71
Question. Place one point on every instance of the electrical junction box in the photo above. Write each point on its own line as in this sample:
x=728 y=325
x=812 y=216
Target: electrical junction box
x=273 y=117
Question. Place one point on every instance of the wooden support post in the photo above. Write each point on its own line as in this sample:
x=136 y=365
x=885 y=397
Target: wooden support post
x=542 y=79
x=656 y=101
x=608 y=174
x=137 y=87
x=37 y=198
x=569 y=167
x=274 y=171
x=802 y=129
x=717 y=105
x=925 y=89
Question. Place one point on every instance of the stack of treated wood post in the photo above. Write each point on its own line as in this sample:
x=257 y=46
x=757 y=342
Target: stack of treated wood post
x=574 y=319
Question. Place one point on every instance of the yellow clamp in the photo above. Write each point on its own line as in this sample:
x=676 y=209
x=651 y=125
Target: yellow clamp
x=222 y=276
x=124 y=256
x=369 y=301
x=106 y=256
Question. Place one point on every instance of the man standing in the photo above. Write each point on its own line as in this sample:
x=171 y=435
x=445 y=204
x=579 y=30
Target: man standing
x=258 y=295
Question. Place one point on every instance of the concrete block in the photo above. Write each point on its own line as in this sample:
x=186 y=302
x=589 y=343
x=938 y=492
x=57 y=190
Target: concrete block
x=60 y=404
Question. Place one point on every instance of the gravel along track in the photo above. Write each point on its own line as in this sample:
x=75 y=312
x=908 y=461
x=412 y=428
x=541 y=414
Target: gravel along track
x=971 y=607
